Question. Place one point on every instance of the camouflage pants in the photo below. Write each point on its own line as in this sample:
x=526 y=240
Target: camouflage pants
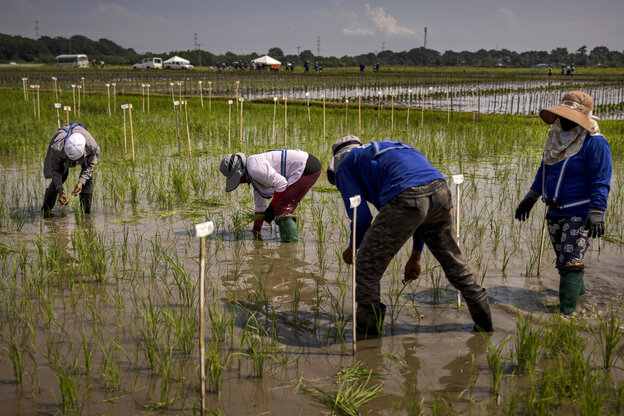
x=427 y=209
x=569 y=239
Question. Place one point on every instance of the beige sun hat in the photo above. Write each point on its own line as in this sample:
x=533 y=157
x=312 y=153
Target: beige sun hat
x=576 y=106
x=340 y=148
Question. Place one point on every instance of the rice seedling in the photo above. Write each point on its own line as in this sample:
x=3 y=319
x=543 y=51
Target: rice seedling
x=495 y=364
x=527 y=343
x=610 y=337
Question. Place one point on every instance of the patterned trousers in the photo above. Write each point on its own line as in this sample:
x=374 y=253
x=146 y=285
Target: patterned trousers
x=569 y=239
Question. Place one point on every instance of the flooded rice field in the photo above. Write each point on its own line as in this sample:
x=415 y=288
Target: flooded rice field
x=99 y=314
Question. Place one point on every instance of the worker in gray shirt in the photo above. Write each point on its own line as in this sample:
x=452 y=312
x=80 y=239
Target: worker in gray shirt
x=72 y=145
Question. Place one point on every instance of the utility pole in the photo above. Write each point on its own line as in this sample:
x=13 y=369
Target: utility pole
x=197 y=45
x=298 y=48
x=318 y=46
x=37 y=29
x=425 y=37
x=383 y=46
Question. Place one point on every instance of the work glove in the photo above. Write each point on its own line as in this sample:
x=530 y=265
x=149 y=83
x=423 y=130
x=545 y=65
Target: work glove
x=525 y=206
x=62 y=198
x=256 y=231
x=78 y=188
x=595 y=224
x=269 y=214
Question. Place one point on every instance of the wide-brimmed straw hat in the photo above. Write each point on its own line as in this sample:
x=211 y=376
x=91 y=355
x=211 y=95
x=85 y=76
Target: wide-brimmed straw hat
x=233 y=168
x=340 y=148
x=576 y=106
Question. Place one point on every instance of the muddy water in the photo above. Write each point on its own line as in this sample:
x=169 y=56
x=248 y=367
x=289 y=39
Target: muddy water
x=293 y=289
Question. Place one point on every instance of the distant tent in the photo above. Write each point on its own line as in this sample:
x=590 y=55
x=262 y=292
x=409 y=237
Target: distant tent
x=177 y=59
x=267 y=61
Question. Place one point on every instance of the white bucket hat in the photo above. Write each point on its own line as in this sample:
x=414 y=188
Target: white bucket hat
x=233 y=168
x=74 y=146
x=340 y=148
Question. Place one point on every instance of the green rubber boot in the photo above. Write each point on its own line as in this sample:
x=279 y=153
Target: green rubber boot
x=287 y=228
x=571 y=286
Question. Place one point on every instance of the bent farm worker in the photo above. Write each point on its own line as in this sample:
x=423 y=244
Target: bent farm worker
x=574 y=180
x=282 y=177
x=72 y=145
x=413 y=200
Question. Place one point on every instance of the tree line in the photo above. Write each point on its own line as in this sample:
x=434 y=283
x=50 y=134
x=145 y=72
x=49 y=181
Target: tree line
x=45 y=48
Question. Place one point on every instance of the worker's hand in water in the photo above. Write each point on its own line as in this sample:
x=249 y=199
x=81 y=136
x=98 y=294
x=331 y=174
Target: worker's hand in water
x=347 y=255
x=525 y=206
x=78 y=188
x=413 y=267
x=594 y=224
x=257 y=235
x=269 y=214
x=62 y=198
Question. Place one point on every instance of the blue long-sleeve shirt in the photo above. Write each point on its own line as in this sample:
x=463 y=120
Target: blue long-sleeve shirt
x=379 y=171
x=584 y=184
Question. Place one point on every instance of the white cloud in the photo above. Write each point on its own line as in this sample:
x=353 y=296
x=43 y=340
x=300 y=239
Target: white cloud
x=512 y=24
x=358 y=32
x=386 y=23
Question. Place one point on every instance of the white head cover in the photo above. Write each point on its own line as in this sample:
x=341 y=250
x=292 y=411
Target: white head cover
x=74 y=146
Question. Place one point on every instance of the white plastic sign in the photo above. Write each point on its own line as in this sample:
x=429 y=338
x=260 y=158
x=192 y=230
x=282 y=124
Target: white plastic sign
x=204 y=229
x=67 y=108
x=124 y=106
x=176 y=103
x=458 y=178
x=57 y=105
x=355 y=201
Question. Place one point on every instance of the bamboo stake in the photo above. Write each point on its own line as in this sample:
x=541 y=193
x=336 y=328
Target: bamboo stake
x=74 y=95
x=346 y=116
x=32 y=87
x=172 y=96
x=148 y=98
x=84 y=89
x=67 y=109
x=323 y=96
x=209 y=95
x=274 y=116
x=24 y=81
x=131 y=130
x=359 y=113
x=57 y=106
x=392 y=111
x=201 y=94
x=180 y=91
x=108 y=98
x=188 y=131
x=38 y=106
x=241 y=123
x=422 y=110
x=55 y=89
x=124 y=107
x=542 y=236
x=176 y=105
x=473 y=107
x=229 y=124
x=458 y=179
x=448 y=108
x=355 y=202
x=202 y=231
x=79 y=88
x=237 y=84
x=285 y=122
x=409 y=104
x=142 y=97
x=114 y=97
x=307 y=94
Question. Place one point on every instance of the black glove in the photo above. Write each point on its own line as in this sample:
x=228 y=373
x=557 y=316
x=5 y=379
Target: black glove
x=525 y=206
x=269 y=214
x=594 y=224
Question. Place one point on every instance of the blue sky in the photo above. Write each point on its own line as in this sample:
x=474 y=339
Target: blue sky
x=345 y=27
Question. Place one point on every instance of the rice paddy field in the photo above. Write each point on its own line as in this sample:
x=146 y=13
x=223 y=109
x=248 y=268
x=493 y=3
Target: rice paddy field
x=100 y=314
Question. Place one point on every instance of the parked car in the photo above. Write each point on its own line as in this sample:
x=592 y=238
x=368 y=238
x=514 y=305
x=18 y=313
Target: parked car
x=149 y=63
x=177 y=65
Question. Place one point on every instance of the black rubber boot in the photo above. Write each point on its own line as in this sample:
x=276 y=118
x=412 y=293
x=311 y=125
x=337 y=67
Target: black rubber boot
x=571 y=286
x=85 y=202
x=49 y=200
x=479 y=309
x=370 y=319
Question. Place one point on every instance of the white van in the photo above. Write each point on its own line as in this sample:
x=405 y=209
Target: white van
x=149 y=63
x=76 y=61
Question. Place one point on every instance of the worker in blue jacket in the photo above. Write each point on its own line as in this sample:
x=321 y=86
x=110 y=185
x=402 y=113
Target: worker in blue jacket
x=573 y=179
x=413 y=200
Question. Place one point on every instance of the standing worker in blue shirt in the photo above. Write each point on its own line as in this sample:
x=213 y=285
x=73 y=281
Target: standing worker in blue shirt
x=413 y=200
x=573 y=179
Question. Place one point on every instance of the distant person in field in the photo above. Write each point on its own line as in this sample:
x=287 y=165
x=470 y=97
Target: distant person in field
x=362 y=67
x=306 y=66
x=574 y=180
x=72 y=145
x=280 y=179
x=414 y=201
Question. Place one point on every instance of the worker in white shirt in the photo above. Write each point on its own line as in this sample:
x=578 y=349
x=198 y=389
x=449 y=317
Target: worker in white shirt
x=282 y=177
